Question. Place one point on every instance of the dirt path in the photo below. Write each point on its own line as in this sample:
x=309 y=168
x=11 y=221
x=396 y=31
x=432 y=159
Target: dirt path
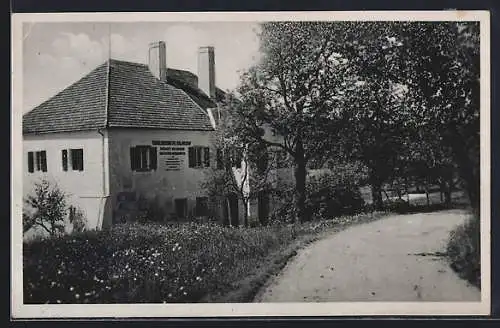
x=393 y=259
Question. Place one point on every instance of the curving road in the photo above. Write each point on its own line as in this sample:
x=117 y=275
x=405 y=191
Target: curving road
x=393 y=259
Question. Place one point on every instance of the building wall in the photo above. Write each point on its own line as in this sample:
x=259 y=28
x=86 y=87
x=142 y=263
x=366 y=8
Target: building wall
x=132 y=191
x=84 y=189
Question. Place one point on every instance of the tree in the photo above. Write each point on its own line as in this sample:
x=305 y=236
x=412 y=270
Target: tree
x=237 y=171
x=437 y=67
x=46 y=208
x=289 y=99
x=378 y=121
x=445 y=82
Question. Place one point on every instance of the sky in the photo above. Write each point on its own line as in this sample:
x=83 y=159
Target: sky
x=57 y=54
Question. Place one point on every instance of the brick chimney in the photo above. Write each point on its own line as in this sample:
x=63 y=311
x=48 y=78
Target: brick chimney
x=206 y=71
x=157 y=59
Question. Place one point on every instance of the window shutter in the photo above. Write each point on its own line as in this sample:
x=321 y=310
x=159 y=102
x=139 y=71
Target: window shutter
x=206 y=156
x=64 y=154
x=44 y=160
x=153 y=158
x=199 y=157
x=31 y=162
x=80 y=153
x=133 y=158
x=191 y=157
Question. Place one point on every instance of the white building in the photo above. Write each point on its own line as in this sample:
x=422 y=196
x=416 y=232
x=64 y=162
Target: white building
x=128 y=136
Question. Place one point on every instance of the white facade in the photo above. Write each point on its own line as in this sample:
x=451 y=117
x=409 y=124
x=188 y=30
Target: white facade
x=107 y=173
x=85 y=189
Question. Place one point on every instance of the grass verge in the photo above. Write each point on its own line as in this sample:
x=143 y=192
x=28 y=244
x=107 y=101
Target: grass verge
x=151 y=263
x=247 y=289
x=463 y=251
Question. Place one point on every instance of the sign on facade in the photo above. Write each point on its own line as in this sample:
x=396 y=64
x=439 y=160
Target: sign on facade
x=172 y=153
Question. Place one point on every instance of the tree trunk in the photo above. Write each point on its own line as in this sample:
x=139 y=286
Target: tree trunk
x=378 y=203
x=447 y=191
x=407 y=191
x=468 y=170
x=300 y=183
x=442 y=189
x=470 y=178
x=426 y=186
x=245 y=214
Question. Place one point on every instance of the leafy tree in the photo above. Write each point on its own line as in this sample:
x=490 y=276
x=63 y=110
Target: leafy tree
x=46 y=208
x=433 y=68
x=445 y=83
x=289 y=98
x=237 y=171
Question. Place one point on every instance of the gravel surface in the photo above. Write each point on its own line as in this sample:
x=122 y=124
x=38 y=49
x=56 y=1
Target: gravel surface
x=398 y=258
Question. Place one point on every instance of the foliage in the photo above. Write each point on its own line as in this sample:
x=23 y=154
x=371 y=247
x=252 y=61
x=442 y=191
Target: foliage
x=415 y=118
x=77 y=219
x=463 y=251
x=45 y=208
x=288 y=100
x=238 y=170
x=132 y=263
x=445 y=83
x=333 y=194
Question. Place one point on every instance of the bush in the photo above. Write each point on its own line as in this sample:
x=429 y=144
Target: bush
x=463 y=251
x=399 y=205
x=327 y=198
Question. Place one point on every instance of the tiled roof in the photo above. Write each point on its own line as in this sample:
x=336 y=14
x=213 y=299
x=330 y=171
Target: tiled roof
x=81 y=106
x=136 y=99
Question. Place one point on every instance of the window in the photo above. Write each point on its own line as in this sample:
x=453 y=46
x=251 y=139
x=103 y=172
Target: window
x=199 y=157
x=76 y=159
x=37 y=161
x=181 y=207
x=201 y=206
x=143 y=158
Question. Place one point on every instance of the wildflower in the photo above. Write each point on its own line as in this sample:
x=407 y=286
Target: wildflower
x=181 y=288
x=198 y=278
x=71 y=288
x=77 y=296
x=169 y=295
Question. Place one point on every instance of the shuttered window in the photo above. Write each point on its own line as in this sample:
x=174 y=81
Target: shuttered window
x=143 y=158
x=37 y=161
x=198 y=157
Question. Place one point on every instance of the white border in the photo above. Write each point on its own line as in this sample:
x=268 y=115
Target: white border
x=19 y=310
